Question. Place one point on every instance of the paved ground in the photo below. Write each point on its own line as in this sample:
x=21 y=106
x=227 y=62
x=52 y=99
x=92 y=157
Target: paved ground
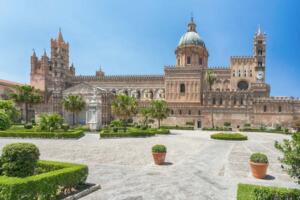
x=197 y=167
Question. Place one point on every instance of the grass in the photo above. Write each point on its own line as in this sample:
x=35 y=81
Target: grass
x=131 y=132
x=228 y=136
x=247 y=191
x=20 y=131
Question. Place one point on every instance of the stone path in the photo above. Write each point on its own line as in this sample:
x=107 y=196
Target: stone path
x=197 y=167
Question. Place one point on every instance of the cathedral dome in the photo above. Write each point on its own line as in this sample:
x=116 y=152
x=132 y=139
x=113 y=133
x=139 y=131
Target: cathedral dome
x=191 y=37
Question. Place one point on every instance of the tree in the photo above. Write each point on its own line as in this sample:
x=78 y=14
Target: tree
x=50 y=122
x=9 y=107
x=28 y=96
x=74 y=104
x=146 y=113
x=159 y=110
x=124 y=107
x=291 y=158
x=210 y=79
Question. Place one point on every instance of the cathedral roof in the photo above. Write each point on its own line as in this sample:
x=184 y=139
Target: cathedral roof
x=191 y=37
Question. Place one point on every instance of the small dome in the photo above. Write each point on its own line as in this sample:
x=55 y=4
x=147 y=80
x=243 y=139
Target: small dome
x=191 y=38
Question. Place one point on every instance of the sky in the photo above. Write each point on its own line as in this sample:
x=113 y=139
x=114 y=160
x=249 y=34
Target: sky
x=140 y=37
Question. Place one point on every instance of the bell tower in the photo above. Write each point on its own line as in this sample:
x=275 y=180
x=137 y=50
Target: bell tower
x=259 y=53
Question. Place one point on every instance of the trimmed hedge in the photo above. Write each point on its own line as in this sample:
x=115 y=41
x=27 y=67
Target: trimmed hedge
x=256 y=192
x=264 y=130
x=131 y=132
x=42 y=134
x=228 y=136
x=43 y=186
x=178 y=127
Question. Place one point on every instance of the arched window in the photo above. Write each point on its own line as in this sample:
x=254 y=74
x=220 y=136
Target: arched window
x=182 y=88
x=265 y=108
x=190 y=112
x=188 y=60
x=180 y=112
x=199 y=112
x=234 y=101
x=138 y=94
x=221 y=101
x=172 y=112
x=279 y=109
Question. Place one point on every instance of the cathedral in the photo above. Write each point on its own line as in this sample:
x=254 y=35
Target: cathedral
x=238 y=95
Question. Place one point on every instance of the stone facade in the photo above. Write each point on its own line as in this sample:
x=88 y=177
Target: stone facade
x=239 y=94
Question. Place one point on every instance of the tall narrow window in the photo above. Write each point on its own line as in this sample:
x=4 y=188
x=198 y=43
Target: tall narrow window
x=190 y=112
x=241 y=101
x=221 y=101
x=200 y=61
x=188 y=60
x=199 y=112
x=214 y=101
x=279 y=109
x=182 y=88
x=265 y=108
x=172 y=112
x=180 y=112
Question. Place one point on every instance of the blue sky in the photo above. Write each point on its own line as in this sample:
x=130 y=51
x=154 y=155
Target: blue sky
x=139 y=37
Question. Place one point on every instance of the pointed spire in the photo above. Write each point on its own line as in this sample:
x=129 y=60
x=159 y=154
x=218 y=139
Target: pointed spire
x=45 y=53
x=259 y=31
x=60 y=37
x=33 y=53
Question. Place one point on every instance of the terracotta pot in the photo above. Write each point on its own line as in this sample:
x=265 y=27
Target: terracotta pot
x=159 y=158
x=259 y=170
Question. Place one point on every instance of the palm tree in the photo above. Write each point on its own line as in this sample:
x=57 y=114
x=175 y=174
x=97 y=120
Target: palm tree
x=124 y=107
x=146 y=113
x=210 y=79
x=159 y=110
x=74 y=104
x=28 y=96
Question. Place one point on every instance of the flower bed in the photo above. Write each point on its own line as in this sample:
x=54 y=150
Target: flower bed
x=44 y=185
x=228 y=136
x=31 y=133
x=252 y=192
x=131 y=132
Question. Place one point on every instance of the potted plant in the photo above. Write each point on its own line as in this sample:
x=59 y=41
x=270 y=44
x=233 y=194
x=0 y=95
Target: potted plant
x=159 y=153
x=259 y=164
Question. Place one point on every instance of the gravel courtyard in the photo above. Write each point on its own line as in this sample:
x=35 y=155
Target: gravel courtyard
x=197 y=167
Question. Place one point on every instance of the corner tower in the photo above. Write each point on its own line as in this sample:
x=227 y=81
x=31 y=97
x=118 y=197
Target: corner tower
x=259 y=53
x=191 y=50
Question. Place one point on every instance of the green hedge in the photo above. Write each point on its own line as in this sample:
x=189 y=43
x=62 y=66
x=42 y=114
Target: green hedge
x=255 y=192
x=132 y=132
x=228 y=136
x=41 y=134
x=264 y=130
x=178 y=127
x=217 y=129
x=43 y=186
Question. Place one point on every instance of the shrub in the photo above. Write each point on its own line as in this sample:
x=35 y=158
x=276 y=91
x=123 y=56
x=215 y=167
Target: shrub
x=259 y=158
x=65 y=126
x=291 y=159
x=228 y=136
x=144 y=127
x=189 y=123
x=247 y=125
x=43 y=186
x=227 y=124
x=19 y=159
x=255 y=192
x=115 y=129
x=4 y=121
x=9 y=107
x=28 y=126
x=50 y=122
x=116 y=123
x=159 y=148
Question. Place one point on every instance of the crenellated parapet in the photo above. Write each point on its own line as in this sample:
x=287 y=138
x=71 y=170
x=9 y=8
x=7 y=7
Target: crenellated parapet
x=120 y=78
